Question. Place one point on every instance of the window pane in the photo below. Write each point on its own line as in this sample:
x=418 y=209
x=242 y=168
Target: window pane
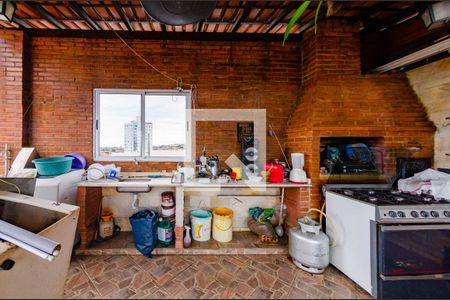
x=119 y=124
x=165 y=125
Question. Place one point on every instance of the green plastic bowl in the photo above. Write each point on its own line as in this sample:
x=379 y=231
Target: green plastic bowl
x=52 y=166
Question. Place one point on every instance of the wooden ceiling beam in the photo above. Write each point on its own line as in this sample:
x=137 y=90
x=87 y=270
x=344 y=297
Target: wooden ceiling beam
x=241 y=17
x=281 y=16
x=122 y=14
x=40 y=10
x=78 y=10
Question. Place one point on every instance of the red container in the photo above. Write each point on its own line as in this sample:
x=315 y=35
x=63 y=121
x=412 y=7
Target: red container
x=276 y=172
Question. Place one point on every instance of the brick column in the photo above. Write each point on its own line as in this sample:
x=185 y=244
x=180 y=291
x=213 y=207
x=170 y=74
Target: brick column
x=89 y=200
x=11 y=92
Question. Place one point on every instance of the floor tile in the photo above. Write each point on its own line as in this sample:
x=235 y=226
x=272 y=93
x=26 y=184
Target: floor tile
x=203 y=277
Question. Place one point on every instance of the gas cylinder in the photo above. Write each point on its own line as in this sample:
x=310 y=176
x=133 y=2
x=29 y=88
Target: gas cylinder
x=309 y=247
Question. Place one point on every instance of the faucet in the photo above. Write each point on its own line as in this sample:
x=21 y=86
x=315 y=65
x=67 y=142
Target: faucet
x=136 y=162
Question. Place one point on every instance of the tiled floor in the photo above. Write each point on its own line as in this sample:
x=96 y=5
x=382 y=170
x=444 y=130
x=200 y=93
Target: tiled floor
x=251 y=276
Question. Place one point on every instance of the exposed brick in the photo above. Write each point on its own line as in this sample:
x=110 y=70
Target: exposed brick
x=337 y=101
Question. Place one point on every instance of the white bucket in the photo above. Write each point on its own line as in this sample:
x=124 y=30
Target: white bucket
x=222 y=224
x=201 y=225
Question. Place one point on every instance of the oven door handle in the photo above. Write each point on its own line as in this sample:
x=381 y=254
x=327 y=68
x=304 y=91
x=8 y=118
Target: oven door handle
x=443 y=276
x=385 y=228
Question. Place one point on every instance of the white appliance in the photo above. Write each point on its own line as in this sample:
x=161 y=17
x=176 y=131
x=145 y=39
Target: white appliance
x=352 y=253
x=61 y=188
x=297 y=174
x=393 y=244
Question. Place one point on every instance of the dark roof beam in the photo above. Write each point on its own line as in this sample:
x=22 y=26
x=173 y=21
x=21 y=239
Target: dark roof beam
x=122 y=14
x=21 y=23
x=396 y=18
x=281 y=16
x=82 y=14
x=40 y=10
x=241 y=17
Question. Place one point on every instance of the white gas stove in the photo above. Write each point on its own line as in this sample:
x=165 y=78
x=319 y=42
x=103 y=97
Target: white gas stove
x=393 y=244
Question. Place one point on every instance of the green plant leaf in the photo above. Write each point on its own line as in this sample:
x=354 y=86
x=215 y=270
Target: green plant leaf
x=317 y=16
x=298 y=13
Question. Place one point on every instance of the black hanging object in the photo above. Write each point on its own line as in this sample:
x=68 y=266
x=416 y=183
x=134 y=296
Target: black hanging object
x=179 y=12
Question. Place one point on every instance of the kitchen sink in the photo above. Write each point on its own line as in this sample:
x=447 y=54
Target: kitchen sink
x=134 y=179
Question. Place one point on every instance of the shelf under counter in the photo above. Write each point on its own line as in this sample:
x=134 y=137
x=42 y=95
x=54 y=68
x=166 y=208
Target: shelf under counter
x=244 y=242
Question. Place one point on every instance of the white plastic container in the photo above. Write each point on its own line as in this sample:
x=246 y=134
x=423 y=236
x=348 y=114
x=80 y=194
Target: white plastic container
x=201 y=225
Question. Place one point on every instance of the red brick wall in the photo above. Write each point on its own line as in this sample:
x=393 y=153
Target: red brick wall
x=337 y=101
x=11 y=92
x=228 y=75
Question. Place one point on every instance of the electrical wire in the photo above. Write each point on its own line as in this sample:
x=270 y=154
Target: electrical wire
x=279 y=144
x=178 y=81
x=18 y=189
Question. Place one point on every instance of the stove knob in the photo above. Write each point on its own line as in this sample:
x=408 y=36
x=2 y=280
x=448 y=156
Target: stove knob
x=447 y=213
x=434 y=214
x=424 y=214
x=414 y=214
x=392 y=214
x=401 y=214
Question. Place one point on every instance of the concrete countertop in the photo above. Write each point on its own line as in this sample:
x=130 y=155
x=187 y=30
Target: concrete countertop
x=165 y=182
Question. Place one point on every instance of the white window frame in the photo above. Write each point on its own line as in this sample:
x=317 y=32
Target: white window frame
x=142 y=93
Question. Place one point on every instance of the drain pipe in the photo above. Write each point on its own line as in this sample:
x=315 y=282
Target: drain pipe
x=7 y=156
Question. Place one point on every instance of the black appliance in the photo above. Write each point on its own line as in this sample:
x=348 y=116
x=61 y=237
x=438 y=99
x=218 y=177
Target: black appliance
x=178 y=12
x=250 y=154
x=345 y=157
x=407 y=167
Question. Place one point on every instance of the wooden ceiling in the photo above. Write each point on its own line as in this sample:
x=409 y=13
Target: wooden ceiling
x=268 y=17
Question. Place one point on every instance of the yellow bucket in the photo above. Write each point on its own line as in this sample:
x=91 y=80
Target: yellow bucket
x=222 y=224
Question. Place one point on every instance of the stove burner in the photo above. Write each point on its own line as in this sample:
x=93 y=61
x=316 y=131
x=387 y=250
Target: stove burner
x=348 y=192
x=427 y=199
x=383 y=197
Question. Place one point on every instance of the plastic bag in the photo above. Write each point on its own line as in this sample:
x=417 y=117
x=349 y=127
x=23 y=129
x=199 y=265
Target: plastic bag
x=261 y=228
x=145 y=226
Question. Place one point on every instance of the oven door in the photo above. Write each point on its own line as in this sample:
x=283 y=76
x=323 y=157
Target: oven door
x=414 y=261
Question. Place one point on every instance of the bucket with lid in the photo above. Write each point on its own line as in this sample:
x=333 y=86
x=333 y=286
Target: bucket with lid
x=222 y=224
x=201 y=225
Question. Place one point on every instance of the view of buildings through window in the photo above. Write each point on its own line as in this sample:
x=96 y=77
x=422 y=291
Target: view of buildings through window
x=132 y=136
x=119 y=132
